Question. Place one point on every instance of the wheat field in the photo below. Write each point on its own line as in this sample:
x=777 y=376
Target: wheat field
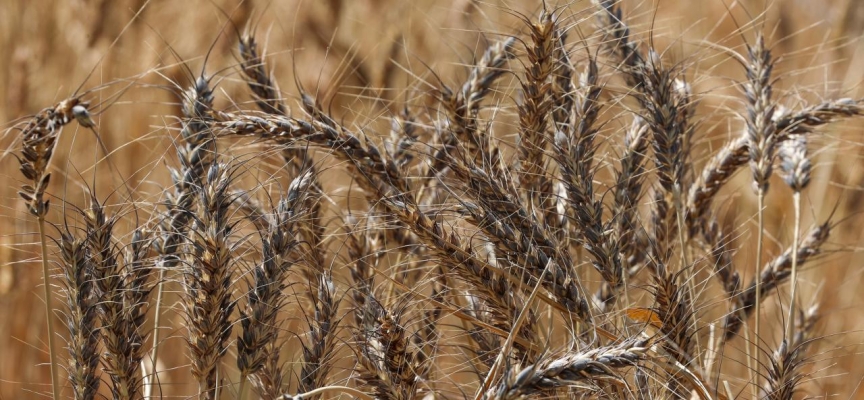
x=398 y=199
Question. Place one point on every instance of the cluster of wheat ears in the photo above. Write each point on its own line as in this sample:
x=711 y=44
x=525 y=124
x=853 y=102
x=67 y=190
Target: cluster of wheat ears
x=497 y=247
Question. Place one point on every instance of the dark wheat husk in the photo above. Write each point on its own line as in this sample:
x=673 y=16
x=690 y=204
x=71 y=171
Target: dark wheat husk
x=784 y=372
x=82 y=317
x=257 y=345
x=119 y=335
x=207 y=279
x=387 y=363
x=463 y=106
x=534 y=109
x=39 y=137
x=383 y=179
x=723 y=165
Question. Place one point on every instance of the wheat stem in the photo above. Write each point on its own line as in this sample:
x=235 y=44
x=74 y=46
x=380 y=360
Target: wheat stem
x=46 y=274
x=759 y=245
x=241 y=390
x=157 y=316
x=796 y=200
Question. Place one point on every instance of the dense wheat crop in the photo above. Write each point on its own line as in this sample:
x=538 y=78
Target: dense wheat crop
x=396 y=199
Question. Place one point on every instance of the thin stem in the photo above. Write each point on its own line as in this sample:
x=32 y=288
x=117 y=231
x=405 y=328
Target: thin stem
x=156 y=318
x=679 y=210
x=52 y=352
x=685 y=262
x=147 y=381
x=749 y=358
x=757 y=309
x=241 y=390
x=796 y=199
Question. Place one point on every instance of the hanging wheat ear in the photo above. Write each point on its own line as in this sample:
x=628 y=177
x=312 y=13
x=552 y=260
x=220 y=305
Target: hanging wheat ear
x=39 y=137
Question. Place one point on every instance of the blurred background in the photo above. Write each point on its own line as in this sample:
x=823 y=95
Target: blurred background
x=348 y=52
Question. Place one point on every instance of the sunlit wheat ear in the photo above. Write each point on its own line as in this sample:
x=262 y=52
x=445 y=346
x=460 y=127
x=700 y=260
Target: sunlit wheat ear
x=319 y=353
x=569 y=369
x=207 y=277
x=787 y=361
x=81 y=317
x=39 y=137
x=122 y=289
x=574 y=150
x=386 y=362
x=195 y=151
x=628 y=192
x=138 y=285
x=195 y=154
x=462 y=106
x=794 y=162
x=719 y=169
x=257 y=345
x=534 y=110
x=761 y=133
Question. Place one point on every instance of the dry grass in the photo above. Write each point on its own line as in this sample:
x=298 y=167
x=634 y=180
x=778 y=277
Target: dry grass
x=466 y=200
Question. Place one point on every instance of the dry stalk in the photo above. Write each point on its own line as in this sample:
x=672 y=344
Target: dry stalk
x=796 y=170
